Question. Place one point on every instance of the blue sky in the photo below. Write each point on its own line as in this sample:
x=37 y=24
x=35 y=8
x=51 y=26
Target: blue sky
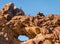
x=32 y=7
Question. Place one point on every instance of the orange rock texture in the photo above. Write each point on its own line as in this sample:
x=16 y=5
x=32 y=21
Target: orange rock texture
x=40 y=29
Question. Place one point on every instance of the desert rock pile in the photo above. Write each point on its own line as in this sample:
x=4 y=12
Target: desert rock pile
x=40 y=29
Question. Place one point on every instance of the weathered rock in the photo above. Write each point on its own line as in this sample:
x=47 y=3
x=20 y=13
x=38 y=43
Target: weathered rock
x=40 y=29
x=2 y=20
x=18 y=11
x=8 y=7
x=47 y=42
x=40 y=14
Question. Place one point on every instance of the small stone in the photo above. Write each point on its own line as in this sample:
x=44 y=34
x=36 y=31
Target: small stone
x=5 y=35
x=6 y=38
x=1 y=33
x=57 y=43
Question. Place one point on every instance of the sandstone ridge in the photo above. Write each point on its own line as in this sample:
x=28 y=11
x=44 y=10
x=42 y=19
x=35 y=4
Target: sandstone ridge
x=40 y=29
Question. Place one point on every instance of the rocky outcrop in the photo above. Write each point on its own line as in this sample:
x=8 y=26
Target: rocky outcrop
x=40 y=29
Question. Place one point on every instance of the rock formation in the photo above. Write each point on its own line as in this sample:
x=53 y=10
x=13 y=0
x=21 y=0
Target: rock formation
x=40 y=29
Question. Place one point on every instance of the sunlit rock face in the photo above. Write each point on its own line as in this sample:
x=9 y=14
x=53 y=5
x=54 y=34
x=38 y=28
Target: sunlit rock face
x=38 y=29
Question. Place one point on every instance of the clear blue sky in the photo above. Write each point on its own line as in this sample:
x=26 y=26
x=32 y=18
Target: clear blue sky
x=34 y=6
x=31 y=7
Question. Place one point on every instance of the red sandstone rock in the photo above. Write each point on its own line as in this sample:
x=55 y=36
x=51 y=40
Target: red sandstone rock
x=40 y=29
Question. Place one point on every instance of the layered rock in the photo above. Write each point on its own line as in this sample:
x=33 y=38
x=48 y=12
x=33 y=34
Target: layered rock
x=40 y=29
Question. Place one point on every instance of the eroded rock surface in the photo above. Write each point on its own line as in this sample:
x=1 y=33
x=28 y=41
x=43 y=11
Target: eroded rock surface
x=40 y=29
